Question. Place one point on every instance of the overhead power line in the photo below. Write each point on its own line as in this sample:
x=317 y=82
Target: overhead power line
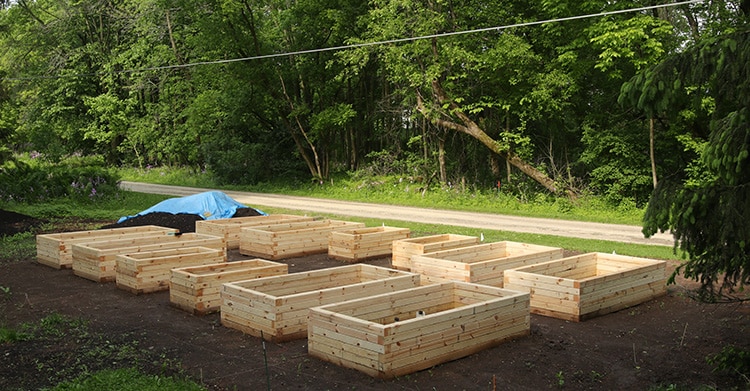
x=365 y=44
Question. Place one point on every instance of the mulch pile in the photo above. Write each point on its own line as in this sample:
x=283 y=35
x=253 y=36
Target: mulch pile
x=12 y=223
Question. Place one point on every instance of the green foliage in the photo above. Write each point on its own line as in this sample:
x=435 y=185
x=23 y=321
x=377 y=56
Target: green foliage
x=33 y=180
x=127 y=379
x=106 y=79
x=732 y=360
x=618 y=166
x=706 y=206
x=92 y=360
x=18 y=246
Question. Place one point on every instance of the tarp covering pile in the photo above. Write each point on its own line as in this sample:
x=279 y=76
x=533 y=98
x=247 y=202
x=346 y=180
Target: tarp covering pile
x=209 y=205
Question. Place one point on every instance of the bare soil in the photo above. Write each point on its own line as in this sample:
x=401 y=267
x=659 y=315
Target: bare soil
x=663 y=342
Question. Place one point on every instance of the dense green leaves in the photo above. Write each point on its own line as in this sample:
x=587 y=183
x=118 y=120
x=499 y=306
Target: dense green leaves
x=707 y=206
x=136 y=82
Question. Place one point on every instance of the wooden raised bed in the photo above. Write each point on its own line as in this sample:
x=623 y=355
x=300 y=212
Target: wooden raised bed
x=584 y=286
x=384 y=337
x=357 y=244
x=96 y=261
x=229 y=229
x=289 y=240
x=276 y=308
x=482 y=263
x=198 y=289
x=55 y=250
x=404 y=249
x=150 y=271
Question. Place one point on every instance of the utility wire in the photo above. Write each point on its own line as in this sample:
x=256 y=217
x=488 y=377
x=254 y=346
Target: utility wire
x=365 y=44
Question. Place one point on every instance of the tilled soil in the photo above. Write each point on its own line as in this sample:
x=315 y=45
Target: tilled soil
x=659 y=343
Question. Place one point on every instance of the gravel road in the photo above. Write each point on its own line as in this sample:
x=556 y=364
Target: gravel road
x=566 y=228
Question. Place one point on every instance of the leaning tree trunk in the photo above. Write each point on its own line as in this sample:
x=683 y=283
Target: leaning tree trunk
x=470 y=127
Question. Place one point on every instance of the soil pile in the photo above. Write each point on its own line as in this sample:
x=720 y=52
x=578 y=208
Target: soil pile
x=12 y=223
x=185 y=222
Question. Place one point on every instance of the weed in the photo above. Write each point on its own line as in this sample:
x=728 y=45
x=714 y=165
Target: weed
x=15 y=247
x=560 y=379
x=126 y=379
x=595 y=376
x=84 y=353
x=5 y=290
x=732 y=360
x=8 y=335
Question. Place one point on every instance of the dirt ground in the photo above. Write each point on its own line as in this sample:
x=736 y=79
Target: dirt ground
x=663 y=342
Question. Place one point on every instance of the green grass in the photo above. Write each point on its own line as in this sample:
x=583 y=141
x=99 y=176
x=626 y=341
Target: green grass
x=127 y=379
x=394 y=190
x=19 y=246
x=92 y=361
x=126 y=203
x=573 y=244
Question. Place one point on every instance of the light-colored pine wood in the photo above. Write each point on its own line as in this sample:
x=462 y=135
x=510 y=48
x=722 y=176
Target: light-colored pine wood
x=287 y=240
x=588 y=285
x=230 y=229
x=150 y=271
x=278 y=306
x=461 y=319
x=358 y=244
x=198 y=289
x=55 y=250
x=482 y=263
x=404 y=249
x=97 y=261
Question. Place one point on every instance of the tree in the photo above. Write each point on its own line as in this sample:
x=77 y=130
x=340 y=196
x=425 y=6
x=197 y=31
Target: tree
x=470 y=84
x=706 y=205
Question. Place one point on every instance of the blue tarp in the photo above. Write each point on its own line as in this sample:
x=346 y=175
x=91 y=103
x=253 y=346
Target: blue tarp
x=210 y=205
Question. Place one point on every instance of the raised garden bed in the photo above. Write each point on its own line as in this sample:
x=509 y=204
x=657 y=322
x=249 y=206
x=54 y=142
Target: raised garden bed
x=585 y=286
x=482 y=263
x=358 y=244
x=405 y=248
x=96 y=261
x=398 y=333
x=229 y=229
x=150 y=271
x=289 y=240
x=198 y=289
x=276 y=308
x=55 y=250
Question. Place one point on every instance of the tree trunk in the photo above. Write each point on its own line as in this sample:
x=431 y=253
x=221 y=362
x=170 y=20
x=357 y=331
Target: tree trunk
x=441 y=160
x=651 y=151
x=470 y=127
x=313 y=164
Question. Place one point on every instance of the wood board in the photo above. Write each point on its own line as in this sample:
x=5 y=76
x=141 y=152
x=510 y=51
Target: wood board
x=150 y=271
x=404 y=249
x=96 y=261
x=397 y=333
x=482 y=263
x=359 y=244
x=56 y=250
x=588 y=285
x=276 y=308
x=287 y=240
x=197 y=289
x=229 y=229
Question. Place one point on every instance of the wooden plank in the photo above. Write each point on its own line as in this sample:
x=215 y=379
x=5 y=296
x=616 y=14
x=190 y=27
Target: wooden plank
x=484 y=263
x=230 y=229
x=282 y=241
x=280 y=304
x=150 y=271
x=404 y=249
x=55 y=250
x=401 y=347
x=90 y=256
